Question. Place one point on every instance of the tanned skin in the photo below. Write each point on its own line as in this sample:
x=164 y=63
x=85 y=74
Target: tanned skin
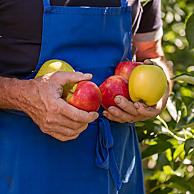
x=133 y=112
x=41 y=99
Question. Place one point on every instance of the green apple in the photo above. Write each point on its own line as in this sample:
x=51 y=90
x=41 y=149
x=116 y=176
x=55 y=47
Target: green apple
x=56 y=65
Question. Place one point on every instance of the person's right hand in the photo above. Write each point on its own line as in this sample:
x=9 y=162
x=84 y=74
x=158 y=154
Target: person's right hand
x=41 y=100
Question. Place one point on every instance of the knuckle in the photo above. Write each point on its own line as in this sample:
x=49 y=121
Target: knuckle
x=43 y=128
x=76 y=116
x=70 y=133
x=56 y=74
x=115 y=112
x=54 y=108
x=48 y=119
x=76 y=126
x=124 y=103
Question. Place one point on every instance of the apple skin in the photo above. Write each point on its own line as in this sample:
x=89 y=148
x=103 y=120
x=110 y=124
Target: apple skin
x=111 y=87
x=125 y=68
x=53 y=65
x=85 y=95
x=147 y=83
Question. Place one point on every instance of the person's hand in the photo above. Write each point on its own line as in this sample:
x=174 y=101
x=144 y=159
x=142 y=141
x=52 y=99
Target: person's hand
x=41 y=100
x=132 y=112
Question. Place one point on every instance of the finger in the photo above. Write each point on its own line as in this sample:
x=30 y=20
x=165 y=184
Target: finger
x=83 y=128
x=109 y=116
x=148 y=62
x=76 y=114
x=118 y=113
x=145 y=110
x=61 y=137
x=126 y=105
x=59 y=129
x=64 y=121
x=64 y=78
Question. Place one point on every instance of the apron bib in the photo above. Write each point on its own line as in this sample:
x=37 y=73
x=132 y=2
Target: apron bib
x=105 y=158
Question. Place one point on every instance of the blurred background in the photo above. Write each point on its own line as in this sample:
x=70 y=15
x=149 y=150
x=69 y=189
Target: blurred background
x=167 y=142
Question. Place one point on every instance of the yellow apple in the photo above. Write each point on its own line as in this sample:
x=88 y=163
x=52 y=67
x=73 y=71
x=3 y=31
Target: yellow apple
x=147 y=83
x=56 y=65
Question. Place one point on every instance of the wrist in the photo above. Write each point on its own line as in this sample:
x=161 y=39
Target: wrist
x=12 y=93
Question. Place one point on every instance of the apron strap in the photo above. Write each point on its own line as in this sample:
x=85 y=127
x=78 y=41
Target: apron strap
x=124 y=3
x=104 y=151
x=46 y=3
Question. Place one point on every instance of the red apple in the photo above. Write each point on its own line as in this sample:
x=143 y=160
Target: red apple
x=125 y=68
x=111 y=87
x=85 y=95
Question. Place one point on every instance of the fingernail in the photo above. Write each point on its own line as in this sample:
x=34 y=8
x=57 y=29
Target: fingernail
x=88 y=75
x=148 y=62
x=117 y=100
x=96 y=115
x=111 y=109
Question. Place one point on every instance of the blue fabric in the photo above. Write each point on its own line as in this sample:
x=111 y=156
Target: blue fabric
x=104 y=151
x=105 y=158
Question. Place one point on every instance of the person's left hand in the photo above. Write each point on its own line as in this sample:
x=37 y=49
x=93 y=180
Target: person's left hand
x=132 y=112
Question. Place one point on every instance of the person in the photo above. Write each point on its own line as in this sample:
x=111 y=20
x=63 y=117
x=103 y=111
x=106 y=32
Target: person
x=48 y=146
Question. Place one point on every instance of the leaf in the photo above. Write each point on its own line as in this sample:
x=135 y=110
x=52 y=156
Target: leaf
x=171 y=107
x=189 y=144
x=168 y=170
x=179 y=151
x=185 y=77
x=158 y=148
x=180 y=183
x=189 y=125
x=188 y=122
x=162 y=190
x=190 y=30
x=162 y=161
x=162 y=137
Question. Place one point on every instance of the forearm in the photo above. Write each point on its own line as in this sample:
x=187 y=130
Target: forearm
x=11 y=93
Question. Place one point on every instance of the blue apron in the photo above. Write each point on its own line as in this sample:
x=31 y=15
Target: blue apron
x=105 y=158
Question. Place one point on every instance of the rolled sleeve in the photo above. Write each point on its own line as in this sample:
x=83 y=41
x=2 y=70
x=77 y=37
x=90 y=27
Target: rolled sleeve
x=150 y=27
x=149 y=36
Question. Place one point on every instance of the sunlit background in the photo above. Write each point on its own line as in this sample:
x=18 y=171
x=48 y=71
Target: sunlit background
x=167 y=142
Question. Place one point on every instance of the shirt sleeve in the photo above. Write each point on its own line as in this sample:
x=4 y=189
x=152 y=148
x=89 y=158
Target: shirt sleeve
x=150 y=27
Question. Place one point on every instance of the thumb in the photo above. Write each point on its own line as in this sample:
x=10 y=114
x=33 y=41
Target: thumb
x=63 y=78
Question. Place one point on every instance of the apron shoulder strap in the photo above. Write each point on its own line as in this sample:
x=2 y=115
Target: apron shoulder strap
x=46 y=3
x=124 y=3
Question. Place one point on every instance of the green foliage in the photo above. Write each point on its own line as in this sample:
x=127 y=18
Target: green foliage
x=190 y=30
x=185 y=77
x=167 y=141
